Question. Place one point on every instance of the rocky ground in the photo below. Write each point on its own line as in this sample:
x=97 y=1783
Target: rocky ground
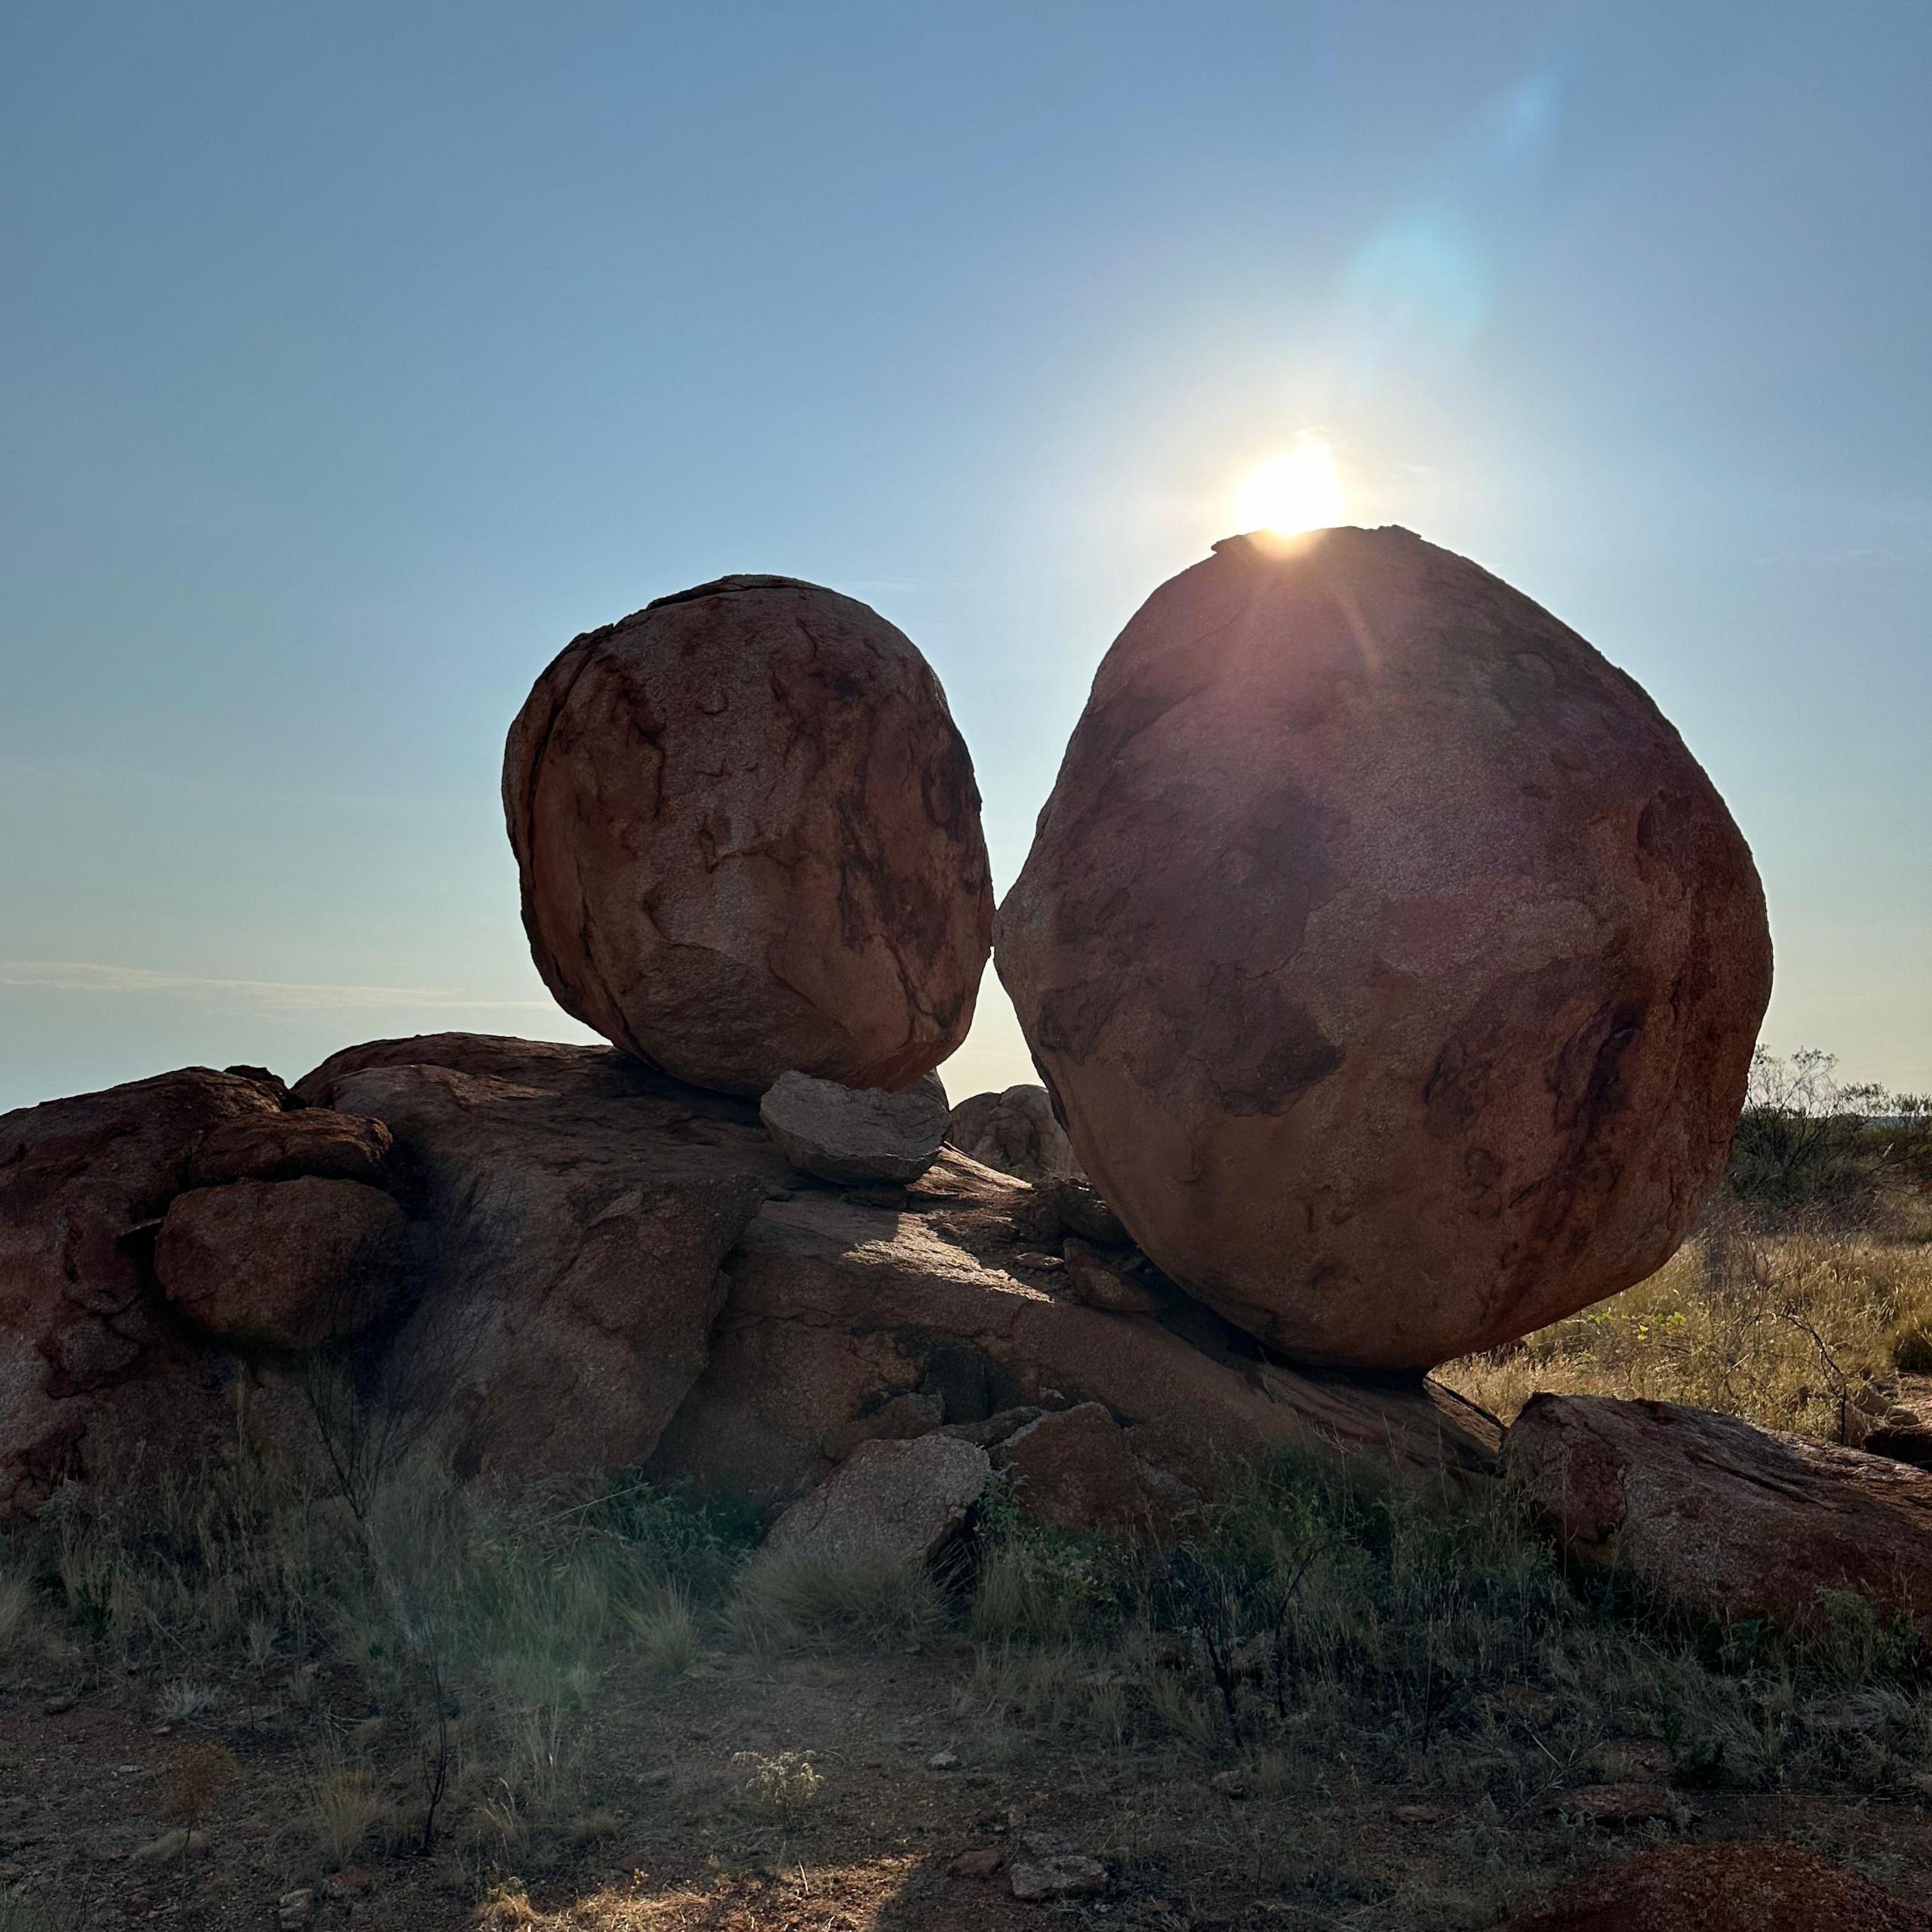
x=924 y=1804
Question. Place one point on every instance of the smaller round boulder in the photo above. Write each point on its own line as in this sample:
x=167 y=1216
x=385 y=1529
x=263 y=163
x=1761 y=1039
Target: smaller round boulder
x=854 y=1135
x=1013 y=1133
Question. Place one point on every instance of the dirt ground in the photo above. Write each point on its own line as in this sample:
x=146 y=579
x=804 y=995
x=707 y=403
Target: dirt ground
x=670 y=1825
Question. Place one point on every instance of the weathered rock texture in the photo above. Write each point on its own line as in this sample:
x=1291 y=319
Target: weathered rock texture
x=748 y=839
x=1723 y=1518
x=856 y=1134
x=1396 y=967
x=315 y=1142
x=1724 y=1888
x=889 y=1503
x=94 y=1380
x=284 y=1264
x=843 y=1322
x=1014 y=1131
x=575 y=1206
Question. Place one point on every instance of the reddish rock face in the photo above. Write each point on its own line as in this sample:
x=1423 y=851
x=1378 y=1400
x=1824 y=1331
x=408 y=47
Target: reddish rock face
x=573 y=1207
x=1719 y=1518
x=284 y=1264
x=314 y=1141
x=1724 y=1888
x=748 y=839
x=844 y=1322
x=91 y=1383
x=1396 y=967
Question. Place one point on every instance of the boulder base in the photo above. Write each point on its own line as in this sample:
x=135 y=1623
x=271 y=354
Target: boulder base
x=889 y=1504
x=748 y=840
x=1395 y=968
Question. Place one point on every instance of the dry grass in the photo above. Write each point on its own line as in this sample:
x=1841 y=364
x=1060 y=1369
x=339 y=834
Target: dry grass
x=1782 y=1327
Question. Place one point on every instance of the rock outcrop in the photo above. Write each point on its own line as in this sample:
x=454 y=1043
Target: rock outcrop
x=1724 y=1888
x=283 y=1264
x=306 y=1143
x=574 y=1206
x=748 y=839
x=853 y=1135
x=1715 y=1516
x=1015 y=1132
x=95 y=1381
x=1394 y=967
x=843 y=1321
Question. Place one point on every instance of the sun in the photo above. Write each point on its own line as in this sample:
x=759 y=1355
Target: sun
x=1297 y=492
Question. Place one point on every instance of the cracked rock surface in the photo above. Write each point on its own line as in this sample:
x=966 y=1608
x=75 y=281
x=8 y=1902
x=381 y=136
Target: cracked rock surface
x=747 y=836
x=1396 y=967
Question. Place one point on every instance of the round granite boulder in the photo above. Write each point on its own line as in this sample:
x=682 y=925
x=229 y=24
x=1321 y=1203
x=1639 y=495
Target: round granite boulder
x=748 y=840
x=1396 y=968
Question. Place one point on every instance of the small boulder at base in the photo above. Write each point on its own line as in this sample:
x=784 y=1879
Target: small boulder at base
x=888 y=1504
x=1109 y=1279
x=1726 y=1887
x=288 y=1264
x=748 y=840
x=1394 y=967
x=1716 y=1516
x=853 y=1135
x=1013 y=1132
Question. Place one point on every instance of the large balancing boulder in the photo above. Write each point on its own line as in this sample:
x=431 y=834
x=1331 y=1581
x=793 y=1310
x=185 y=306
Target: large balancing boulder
x=1396 y=967
x=749 y=839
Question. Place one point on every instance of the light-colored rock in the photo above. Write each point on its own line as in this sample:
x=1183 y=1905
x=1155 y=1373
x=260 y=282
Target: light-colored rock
x=1394 y=967
x=283 y=1264
x=1718 y=1517
x=1015 y=1132
x=1048 y=1867
x=573 y=1206
x=856 y=1134
x=748 y=840
x=889 y=1504
x=1758 y=1887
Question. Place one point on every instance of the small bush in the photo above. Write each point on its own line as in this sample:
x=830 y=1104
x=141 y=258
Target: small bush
x=792 y=1600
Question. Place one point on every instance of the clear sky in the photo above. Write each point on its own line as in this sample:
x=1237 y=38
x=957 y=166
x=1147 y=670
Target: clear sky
x=354 y=356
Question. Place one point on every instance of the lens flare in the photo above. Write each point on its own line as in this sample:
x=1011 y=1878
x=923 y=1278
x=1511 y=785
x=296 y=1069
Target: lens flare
x=1298 y=492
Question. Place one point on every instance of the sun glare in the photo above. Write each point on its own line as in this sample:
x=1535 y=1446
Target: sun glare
x=1294 y=493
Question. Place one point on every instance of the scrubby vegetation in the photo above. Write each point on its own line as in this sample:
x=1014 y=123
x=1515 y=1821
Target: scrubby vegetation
x=602 y=1705
x=1806 y=1292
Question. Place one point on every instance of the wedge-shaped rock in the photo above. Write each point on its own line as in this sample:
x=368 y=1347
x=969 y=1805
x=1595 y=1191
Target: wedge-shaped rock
x=853 y=1135
x=888 y=1503
x=1723 y=1518
x=306 y=1141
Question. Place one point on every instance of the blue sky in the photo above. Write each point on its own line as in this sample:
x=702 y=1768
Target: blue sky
x=355 y=357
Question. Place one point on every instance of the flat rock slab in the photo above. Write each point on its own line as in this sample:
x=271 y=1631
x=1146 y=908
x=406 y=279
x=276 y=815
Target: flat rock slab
x=1724 y=1887
x=306 y=1143
x=1718 y=1516
x=855 y=1135
x=843 y=1322
x=889 y=1504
